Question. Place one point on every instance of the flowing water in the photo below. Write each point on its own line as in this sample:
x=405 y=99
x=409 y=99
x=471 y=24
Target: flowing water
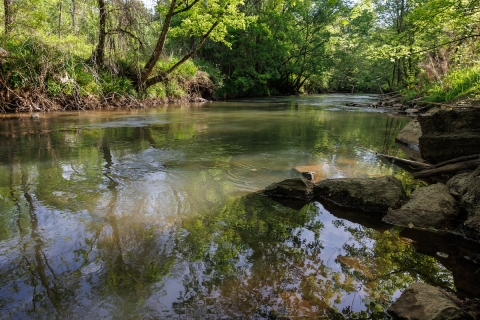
x=155 y=214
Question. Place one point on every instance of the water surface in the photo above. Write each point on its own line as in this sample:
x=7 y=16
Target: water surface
x=149 y=214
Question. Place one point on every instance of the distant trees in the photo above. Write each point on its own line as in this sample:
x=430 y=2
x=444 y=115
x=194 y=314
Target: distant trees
x=249 y=47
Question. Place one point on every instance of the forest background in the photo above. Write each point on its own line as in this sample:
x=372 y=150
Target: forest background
x=73 y=54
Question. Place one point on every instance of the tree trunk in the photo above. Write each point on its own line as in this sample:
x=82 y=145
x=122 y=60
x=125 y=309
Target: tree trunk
x=7 y=4
x=162 y=76
x=73 y=14
x=60 y=9
x=98 y=56
x=449 y=168
x=147 y=70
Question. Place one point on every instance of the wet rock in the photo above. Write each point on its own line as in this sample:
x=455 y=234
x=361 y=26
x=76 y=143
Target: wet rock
x=367 y=194
x=472 y=224
x=449 y=134
x=291 y=188
x=424 y=302
x=309 y=175
x=457 y=184
x=466 y=188
x=431 y=206
x=410 y=134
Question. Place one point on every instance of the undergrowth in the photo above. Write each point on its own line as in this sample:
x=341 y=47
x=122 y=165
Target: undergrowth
x=41 y=71
x=464 y=82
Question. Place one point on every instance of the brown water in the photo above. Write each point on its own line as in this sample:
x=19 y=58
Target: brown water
x=152 y=214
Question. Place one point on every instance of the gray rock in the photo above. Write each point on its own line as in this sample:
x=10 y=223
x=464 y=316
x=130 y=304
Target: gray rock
x=449 y=134
x=466 y=188
x=410 y=134
x=367 y=194
x=431 y=206
x=457 y=184
x=425 y=302
x=291 y=188
x=411 y=110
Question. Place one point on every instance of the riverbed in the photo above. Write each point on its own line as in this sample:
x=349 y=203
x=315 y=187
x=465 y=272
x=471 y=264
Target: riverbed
x=155 y=213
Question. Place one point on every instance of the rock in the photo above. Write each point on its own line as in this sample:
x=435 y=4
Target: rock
x=431 y=206
x=290 y=188
x=424 y=302
x=411 y=110
x=398 y=105
x=470 y=203
x=466 y=188
x=410 y=134
x=472 y=224
x=449 y=134
x=457 y=184
x=367 y=194
x=309 y=175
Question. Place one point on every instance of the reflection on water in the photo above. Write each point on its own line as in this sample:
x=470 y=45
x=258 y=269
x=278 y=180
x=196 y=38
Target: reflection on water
x=154 y=214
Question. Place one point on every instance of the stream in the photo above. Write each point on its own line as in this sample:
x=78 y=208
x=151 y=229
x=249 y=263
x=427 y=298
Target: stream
x=156 y=214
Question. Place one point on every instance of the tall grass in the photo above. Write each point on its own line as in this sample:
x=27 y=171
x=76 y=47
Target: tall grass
x=464 y=82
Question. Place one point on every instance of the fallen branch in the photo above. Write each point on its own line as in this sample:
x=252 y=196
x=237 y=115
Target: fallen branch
x=456 y=160
x=449 y=168
x=411 y=163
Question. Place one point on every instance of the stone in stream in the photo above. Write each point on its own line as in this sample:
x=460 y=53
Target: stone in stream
x=421 y=301
x=366 y=194
x=291 y=188
x=410 y=134
x=431 y=206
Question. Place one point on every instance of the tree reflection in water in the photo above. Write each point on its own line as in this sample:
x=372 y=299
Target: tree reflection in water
x=252 y=258
x=148 y=220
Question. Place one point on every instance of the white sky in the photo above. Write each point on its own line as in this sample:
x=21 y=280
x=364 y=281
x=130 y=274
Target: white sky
x=149 y=3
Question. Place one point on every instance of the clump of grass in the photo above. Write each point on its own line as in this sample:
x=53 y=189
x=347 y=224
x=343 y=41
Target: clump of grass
x=457 y=83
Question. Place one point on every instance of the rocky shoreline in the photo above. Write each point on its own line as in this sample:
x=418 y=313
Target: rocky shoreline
x=448 y=147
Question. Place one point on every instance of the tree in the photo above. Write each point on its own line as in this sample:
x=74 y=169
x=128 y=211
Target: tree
x=8 y=8
x=99 y=54
x=209 y=19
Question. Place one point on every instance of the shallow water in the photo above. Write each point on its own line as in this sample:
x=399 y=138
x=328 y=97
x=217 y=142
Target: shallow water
x=154 y=214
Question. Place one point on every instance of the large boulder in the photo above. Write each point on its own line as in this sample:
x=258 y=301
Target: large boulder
x=290 y=189
x=431 y=206
x=466 y=188
x=410 y=134
x=449 y=134
x=421 y=301
x=366 y=194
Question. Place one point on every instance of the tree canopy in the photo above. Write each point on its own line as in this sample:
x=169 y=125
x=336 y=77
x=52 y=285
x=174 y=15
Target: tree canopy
x=69 y=49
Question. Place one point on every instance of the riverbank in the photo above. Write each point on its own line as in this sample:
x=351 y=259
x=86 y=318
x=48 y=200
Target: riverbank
x=448 y=206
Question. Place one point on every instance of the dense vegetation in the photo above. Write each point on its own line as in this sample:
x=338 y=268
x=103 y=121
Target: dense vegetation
x=84 y=54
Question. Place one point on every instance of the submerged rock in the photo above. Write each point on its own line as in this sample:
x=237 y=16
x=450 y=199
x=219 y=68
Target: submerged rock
x=366 y=194
x=431 y=206
x=410 y=134
x=291 y=188
x=425 y=302
x=449 y=134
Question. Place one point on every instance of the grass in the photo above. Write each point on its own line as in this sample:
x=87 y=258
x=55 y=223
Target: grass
x=458 y=83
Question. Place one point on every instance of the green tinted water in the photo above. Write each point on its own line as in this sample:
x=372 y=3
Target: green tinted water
x=153 y=214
